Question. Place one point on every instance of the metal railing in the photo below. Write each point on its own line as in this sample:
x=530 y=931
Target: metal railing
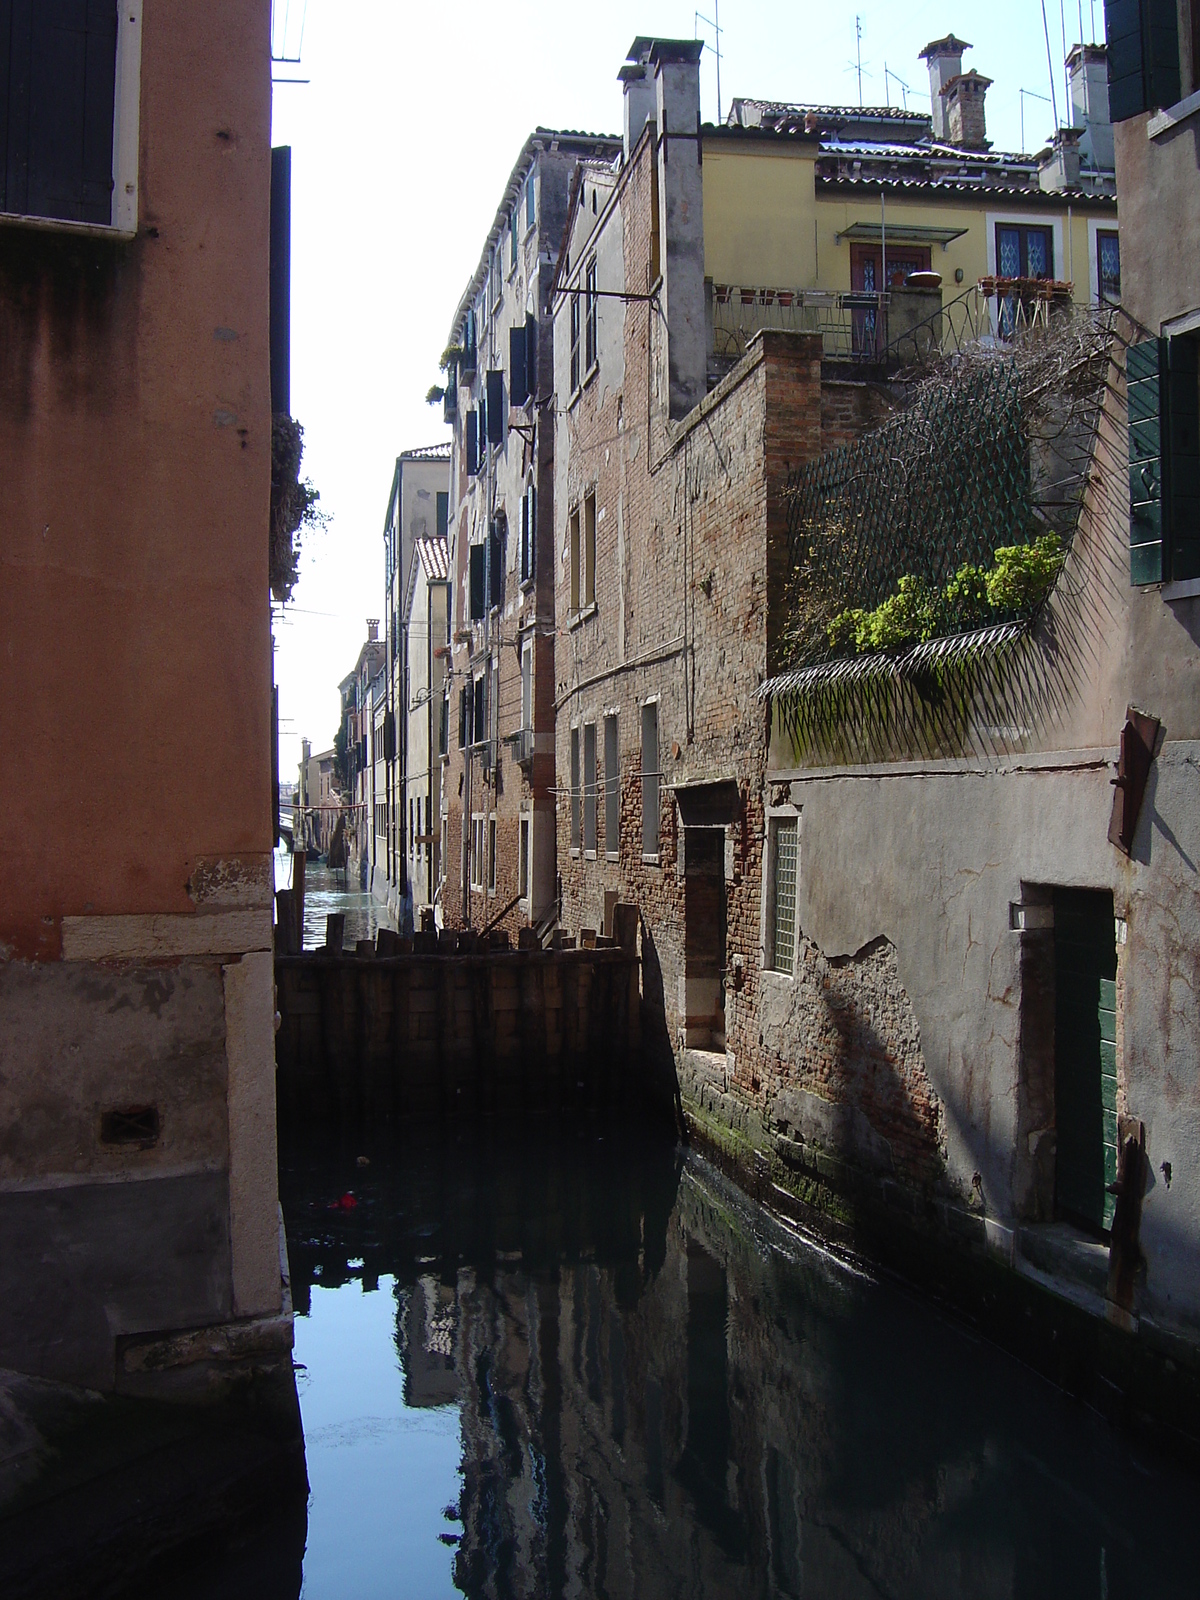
x=994 y=310
x=852 y=324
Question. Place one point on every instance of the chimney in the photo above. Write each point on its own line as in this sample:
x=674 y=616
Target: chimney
x=372 y=629
x=1087 y=68
x=963 y=98
x=637 y=77
x=945 y=62
x=1058 y=167
x=673 y=66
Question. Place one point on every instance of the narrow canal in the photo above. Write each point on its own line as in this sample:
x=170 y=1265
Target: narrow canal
x=573 y=1362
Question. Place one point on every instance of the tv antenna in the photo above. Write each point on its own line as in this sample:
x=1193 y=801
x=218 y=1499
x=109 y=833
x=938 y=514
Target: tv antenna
x=713 y=22
x=1023 y=95
x=895 y=77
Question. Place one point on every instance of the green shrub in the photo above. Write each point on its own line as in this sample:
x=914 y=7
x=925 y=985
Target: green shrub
x=967 y=604
x=909 y=616
x=1024 y=574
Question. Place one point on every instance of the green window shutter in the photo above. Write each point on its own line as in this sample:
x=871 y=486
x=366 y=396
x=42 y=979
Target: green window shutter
x=1144 y=364
x=1160 y=36
x=1182 y=476
x=1143 y=55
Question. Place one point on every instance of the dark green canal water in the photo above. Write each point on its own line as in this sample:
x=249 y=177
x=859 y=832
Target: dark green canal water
x=575 y=1363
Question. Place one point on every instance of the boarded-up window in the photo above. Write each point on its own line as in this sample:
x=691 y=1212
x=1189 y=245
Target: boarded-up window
x=612 y=788
x=589 y=787
x=58 y=63
x=650 y=778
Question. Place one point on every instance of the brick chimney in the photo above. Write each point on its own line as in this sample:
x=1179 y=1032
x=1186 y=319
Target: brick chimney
x=945 y=62
x=963 y=98
x=372 y=629
x=1087 y=69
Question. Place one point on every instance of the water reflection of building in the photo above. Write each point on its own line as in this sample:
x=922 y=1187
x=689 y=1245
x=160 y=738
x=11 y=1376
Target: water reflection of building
x=654 y=1403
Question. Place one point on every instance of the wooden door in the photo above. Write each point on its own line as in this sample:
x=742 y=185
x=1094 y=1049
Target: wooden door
x=1085 y=1055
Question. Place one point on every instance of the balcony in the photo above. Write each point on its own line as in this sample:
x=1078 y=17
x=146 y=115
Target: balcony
x=855 y=326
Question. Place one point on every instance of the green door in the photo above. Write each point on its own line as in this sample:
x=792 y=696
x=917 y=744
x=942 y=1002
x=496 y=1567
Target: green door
x=1085 y=1055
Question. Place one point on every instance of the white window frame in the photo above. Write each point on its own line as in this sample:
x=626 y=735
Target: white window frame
x=612 y=786
x=525 y=856
x=590 y=794
x=127 y=97
x=492 y=852
x=478 y=849
x=775 y=815
x=575 y=790
x=651 y=858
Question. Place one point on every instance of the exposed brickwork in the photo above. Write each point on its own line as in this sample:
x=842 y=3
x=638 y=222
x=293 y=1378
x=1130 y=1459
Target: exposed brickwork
x=849 y=407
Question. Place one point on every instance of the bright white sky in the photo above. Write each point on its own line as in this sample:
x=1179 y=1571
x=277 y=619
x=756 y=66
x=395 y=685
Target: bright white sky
x=401 y=144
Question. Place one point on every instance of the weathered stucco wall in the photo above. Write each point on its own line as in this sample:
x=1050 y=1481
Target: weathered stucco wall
x=135 y=865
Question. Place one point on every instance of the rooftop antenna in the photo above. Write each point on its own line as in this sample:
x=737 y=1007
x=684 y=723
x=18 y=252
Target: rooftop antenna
x=1049 y=64
x=287 y=39
x=858 y=54
x=1062 y=15
x=896 y=78
x=713 y=22
x=1023 y=95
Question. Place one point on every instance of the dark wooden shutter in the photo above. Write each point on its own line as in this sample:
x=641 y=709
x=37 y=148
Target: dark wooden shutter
x=58 y=65
x=462 y=716
x=496 y=562
x=531 y=355
x=443 y=514
x=478 y=591
x=1182 y=454
x=495 y=408
x=518 y=375
x=1143 y=375
x=472 y=442
x=1143 y=55
x=1085 y=1055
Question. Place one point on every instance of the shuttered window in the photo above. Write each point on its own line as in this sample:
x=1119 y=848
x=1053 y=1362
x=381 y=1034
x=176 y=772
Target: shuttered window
x=1143 y=55
x=575 y=818
x=518 y=372
x=496 y=543
x=528 y=533
x=472 y=442
x=1163 y=388
x=58 y=63
x=589 y=787
x=650 y=778
x=612 y=788
x=495 y=408
x=478 y=582
x=443 y=514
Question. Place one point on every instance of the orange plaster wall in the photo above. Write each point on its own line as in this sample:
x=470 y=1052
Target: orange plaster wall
x=135 y=433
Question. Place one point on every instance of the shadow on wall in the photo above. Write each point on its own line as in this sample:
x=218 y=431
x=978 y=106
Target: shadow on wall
x=853 y=1081
x=663 y=1078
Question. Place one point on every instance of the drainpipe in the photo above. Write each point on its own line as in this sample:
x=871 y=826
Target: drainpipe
x=883 y=254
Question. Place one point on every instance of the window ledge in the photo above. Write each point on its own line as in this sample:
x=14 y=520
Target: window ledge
x=582 y=615
x=612 y=855
x=88 y=230
x=1181 y=589
x=651 y=861
x=575 y=851
x=1163 y=121
x=589 y=855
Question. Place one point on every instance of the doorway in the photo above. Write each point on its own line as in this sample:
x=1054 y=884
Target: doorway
x=703 y=982
x=866 y=277
x=1085 y=1056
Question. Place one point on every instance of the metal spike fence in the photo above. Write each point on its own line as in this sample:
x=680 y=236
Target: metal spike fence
x=992 y=450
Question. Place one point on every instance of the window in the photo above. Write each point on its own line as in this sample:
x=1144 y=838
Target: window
x=1024 y=252
x=589 y=549
x=518 y=371
x=589 y=315
x=495 y=408
x=1163 y=388
x=575 y=789
x=589 y=787
x=612 y=789
x=464 y=711
x=575 y=321
x=528 y=534
x=650 y=779
x=479 y=710
x=523 y=858
x=478 y=835
x=443 y=514
x=491 y=849
x=478 y=558
x=527 y=684
x=1143 y=55
x=471 y=443
x=574 y=553
x=781 y=914
x=530 y=202
x=1108 y=266
x=512 y=239
x=497 y=538
x=69 y=97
